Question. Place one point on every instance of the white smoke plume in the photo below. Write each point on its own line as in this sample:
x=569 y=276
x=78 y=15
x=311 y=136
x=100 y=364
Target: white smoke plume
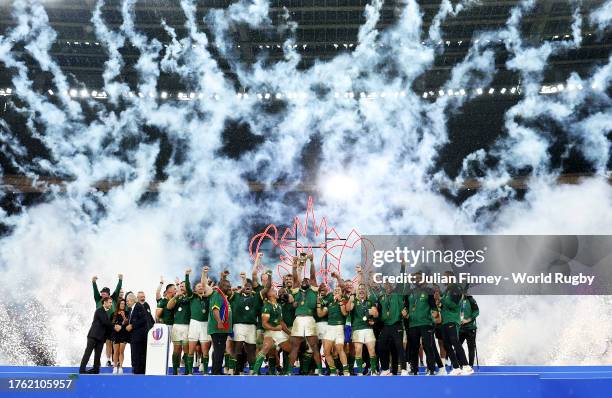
x=382 y=146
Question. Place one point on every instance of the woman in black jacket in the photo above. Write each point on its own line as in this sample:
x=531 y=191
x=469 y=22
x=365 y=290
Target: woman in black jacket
x=119 y=336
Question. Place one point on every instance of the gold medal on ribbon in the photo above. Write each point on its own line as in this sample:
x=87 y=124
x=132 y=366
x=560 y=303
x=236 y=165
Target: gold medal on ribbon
x=301 y=303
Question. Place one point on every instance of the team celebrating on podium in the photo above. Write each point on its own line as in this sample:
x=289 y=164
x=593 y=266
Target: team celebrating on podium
x=298 y=327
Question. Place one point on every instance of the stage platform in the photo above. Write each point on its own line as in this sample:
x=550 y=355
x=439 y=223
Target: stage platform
x=488 y=381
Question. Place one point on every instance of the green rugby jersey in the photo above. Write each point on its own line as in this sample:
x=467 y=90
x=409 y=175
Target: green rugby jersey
x=182 y=308
x=167 y=316
x=391 y=307
x=246 y=308
x=469 y=310
x=360 y=313
x=307 y=301
x=334 y=312
x=114 y=297
x=275 y=311
x=420 y=304
x=450 y=305
x=324 y=301
x=198 y=308
x=288 y=314
x=258 y=291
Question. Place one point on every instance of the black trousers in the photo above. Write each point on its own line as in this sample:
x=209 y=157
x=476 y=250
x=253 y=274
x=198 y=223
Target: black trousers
x=95 y=346
x=139 y=356
x=450 y=335
x=469 y=335
x=415 y=334
x=218 y=346
x=391 y=338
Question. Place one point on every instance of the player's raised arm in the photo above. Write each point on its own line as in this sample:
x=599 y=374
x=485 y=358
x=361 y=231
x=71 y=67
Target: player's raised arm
x=294 y=272
x=254 y=272
x=339 y=281
x=188 y=283
x=172 y=302
x=268 y=284
x=313 y=272
x=96 y=292
x=115 y=294
x=204 y=280
x=224 y=275
x=158 y=295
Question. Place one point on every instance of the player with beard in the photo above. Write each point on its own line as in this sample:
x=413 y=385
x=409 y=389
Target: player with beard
x=422 y=310
x=180 y=306
x=99 y=296
x=305 y=303
x=450 y=301
x=363 y=312
x=198 y=323
x=220 y=321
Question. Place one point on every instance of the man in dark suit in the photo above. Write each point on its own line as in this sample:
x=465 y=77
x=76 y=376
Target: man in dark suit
x=99 y=332
x=138 y=326
x=140 y=297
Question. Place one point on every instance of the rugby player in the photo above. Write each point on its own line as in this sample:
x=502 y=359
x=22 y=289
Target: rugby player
x=305 y=303
x=179 y=304
x=198 y=323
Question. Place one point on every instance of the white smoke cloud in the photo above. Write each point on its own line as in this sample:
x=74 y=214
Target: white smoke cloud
x=383 y=145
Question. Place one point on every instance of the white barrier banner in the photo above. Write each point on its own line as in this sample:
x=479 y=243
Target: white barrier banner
x=158 y=340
